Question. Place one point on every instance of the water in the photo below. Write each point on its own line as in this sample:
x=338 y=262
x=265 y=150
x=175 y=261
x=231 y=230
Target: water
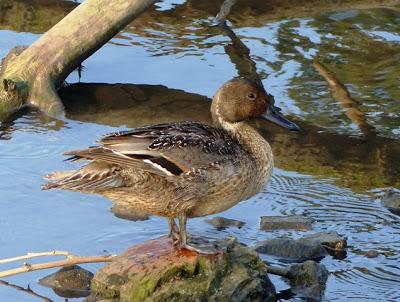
x=330 y=172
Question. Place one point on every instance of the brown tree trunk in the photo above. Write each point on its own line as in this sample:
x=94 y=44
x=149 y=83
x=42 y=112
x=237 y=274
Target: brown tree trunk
x=30 y=76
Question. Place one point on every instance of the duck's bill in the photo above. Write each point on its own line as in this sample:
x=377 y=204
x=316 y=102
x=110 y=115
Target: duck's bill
x=273 y=115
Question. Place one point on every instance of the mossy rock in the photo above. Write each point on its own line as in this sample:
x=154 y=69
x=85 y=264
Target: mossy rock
x=70 y=282
x=157 y=271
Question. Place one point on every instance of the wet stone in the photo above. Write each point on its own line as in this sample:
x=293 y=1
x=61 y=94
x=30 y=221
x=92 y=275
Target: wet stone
x=371 y=254
x=221 y=223
x=309 y=247
x=69 y=282
x=308 y=279
x=391 y=200
x=290 y=249
x=156 y=271
x=334 y=244
x=295 y=222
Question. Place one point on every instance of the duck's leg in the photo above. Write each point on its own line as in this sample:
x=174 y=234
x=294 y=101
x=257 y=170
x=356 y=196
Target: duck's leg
x=201 y=248
x=173 y=230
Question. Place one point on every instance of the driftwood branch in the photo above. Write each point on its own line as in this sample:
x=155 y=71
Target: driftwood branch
x=27 y=290
x=34 y=255
x=70 y=260
x=31 y=76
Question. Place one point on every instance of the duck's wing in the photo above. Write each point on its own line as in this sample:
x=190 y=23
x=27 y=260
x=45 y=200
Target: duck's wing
x=94 y=176
x=165 y=149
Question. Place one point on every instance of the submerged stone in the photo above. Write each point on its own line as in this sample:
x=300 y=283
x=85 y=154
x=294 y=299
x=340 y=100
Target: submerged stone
x=295 y=222
x=157 y=271
x=391 y=200
x=69 y=282
x=371 y=254
x=221 y=223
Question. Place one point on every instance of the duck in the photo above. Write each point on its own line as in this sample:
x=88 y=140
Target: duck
x=185 y=169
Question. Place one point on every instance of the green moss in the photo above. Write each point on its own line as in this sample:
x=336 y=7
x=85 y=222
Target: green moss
x=139 y=289
x=116 y=280
x=106 y=291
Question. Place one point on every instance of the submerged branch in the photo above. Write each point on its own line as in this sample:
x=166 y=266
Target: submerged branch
x=27 y=290
x=238 y=52
x=341 y=94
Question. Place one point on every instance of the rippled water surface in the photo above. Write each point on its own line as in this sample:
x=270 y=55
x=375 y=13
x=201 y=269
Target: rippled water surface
x=332 y=171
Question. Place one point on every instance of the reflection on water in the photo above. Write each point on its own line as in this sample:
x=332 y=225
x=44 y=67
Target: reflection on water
x=331 y=156
x=357 y=162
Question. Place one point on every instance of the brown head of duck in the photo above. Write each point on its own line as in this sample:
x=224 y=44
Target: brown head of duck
x=241 y=99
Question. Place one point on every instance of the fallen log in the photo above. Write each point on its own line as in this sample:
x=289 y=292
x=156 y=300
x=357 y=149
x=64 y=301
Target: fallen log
x=30 y=76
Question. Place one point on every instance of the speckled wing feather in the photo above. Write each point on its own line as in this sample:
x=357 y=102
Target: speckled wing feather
x=167 y=150
x=186 y=145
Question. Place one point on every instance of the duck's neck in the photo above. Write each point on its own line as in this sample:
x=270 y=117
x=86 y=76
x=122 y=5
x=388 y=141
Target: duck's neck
x=250 y=140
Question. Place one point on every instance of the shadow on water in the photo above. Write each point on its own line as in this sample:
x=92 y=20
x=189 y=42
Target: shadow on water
x=348 y=146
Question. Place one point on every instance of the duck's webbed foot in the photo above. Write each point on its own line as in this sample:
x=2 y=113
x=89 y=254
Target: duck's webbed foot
x=204 y=247
x=195 y=244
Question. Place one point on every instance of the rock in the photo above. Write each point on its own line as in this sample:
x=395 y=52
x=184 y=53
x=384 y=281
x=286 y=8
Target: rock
x=334 y=244
x=391 y=200
x=296 y=222
x=295 y=250
x=371 y=254
x=69 y=282
x=221 y=223
x=157 y=271
x=308 y=279
x=309 y=247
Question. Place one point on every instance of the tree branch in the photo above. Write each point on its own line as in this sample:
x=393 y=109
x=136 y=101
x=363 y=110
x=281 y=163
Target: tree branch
x=40 y=69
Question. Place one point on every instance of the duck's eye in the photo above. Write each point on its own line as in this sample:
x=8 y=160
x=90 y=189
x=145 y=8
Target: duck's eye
x=251 y=96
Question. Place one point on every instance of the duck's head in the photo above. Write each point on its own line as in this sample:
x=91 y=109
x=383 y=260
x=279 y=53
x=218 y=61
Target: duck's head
x=241 y=99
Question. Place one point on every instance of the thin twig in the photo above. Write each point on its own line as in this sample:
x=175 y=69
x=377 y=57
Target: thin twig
x=61 y=263
x=27 y=290
x=279 y=271
x=34 y=255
